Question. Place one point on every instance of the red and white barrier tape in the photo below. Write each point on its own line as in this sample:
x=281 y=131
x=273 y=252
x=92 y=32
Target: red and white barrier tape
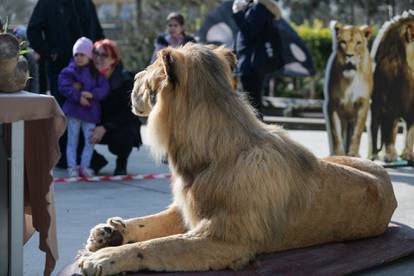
x=113 y=178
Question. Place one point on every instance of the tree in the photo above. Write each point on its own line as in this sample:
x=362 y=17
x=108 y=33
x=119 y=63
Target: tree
x=17 y=11
x=347 y=11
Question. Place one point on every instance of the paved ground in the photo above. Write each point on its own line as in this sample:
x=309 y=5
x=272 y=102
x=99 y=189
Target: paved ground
x=80 y=206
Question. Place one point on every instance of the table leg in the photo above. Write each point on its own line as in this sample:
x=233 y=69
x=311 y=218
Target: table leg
x=17 y=199
x=4 y=204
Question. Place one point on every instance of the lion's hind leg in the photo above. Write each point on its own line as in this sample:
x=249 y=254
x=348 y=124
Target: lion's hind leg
x=372 y=184
x=183 y=252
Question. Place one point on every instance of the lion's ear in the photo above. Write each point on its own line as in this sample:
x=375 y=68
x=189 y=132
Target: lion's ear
x=335 y=26
x=228 y=54
x=366 y=30
x=169 y=61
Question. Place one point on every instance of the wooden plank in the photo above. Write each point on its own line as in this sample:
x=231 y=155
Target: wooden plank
x=327 y=259
x=294 y=120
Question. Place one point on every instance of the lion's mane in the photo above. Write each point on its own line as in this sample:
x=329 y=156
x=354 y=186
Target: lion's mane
x=393 y=97
x=388 y=48
x=225 y=156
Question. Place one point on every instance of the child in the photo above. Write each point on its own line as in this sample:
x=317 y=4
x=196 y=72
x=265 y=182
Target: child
x=83 y=87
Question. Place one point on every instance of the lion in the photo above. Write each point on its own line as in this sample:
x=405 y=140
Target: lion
x=348 y=88
x=240 y=187
x=393 y=92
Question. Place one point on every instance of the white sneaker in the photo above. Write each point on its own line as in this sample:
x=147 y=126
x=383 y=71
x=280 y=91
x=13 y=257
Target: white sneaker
x=85 y=172
x=73 y=172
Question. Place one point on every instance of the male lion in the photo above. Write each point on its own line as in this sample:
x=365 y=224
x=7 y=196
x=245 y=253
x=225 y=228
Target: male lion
x=393 y=92
x=348 y=87
x=240 y=187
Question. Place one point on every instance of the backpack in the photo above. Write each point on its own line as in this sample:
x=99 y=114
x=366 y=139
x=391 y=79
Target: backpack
x=282 y=51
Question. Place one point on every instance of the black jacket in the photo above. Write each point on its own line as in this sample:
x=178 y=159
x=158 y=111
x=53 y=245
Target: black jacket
x=116 y=107
x=55 y=25
x=252 y=23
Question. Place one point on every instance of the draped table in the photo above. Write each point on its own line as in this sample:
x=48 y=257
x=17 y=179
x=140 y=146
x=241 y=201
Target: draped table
x=30 y=127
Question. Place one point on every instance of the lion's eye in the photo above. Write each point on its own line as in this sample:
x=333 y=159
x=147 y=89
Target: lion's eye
x=358 y=43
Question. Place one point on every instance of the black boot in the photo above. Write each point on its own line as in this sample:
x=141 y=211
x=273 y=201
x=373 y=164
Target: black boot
x=98 y=162
x=121 y=166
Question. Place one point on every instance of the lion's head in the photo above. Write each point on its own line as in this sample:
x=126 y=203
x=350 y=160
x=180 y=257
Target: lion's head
x=176 y=69
x=184 y=91
x=393 y=48
x=351 y=47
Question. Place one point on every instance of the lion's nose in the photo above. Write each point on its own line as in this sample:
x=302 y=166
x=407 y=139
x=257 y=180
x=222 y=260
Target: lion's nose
x=349 y=55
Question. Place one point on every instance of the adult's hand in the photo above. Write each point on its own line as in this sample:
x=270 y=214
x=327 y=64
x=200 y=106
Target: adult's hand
x=97 y=134
x=84 y=101
x=87 y=94
x=239 y=5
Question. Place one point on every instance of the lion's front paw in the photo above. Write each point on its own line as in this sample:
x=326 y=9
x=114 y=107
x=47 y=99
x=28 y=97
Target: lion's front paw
x=390 y=154
x=339 y=151
x=353 y=153
x=390 y=157
x=103 y=262
x=106 y=234
x=407 y=154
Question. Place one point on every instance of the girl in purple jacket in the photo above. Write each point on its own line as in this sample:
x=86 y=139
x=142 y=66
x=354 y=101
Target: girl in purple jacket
x=83 y=87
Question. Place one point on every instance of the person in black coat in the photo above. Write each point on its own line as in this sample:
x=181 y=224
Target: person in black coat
x=252 y=18
x=53 y=29
x=119 y=127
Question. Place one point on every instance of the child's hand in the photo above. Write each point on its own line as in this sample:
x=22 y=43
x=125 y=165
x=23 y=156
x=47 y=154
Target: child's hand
x=84 y=101
x=77 y=85
x=87 y=94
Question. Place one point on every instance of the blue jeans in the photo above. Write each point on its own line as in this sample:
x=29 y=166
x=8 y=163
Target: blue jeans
x=74 y=126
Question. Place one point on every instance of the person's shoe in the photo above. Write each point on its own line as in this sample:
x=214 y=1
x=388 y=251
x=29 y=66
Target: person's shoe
x=121 y=166
x=85 y=172
x=98 y=162
x=73 y=172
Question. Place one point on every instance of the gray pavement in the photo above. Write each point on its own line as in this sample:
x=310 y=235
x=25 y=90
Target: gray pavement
x=80 y=206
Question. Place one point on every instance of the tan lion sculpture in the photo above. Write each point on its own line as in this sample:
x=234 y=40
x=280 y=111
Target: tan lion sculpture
x=348 y=88
x=240 y=187
x=393 y=92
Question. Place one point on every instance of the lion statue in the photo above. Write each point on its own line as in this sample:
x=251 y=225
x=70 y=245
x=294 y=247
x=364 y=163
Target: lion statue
x=348 y=88
x=393 y=92
x=240 y=187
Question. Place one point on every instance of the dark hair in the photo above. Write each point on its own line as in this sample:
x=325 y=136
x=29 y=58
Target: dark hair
x=176 y=16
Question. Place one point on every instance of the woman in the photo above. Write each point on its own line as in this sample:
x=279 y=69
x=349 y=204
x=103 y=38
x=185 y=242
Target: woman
x=252 y=18
x=175 y=35
x=119 y=127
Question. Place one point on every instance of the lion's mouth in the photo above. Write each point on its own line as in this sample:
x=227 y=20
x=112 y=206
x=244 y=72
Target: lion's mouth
x=349 y=66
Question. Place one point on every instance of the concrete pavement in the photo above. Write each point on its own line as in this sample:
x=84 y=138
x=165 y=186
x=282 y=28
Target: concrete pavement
x=80 y=206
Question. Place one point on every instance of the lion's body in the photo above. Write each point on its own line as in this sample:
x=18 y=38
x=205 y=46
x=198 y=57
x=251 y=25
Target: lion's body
x=240 y=187
x=348 y=88
x=393 y=92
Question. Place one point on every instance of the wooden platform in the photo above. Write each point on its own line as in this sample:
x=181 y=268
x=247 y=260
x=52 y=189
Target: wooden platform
x=328 y=259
